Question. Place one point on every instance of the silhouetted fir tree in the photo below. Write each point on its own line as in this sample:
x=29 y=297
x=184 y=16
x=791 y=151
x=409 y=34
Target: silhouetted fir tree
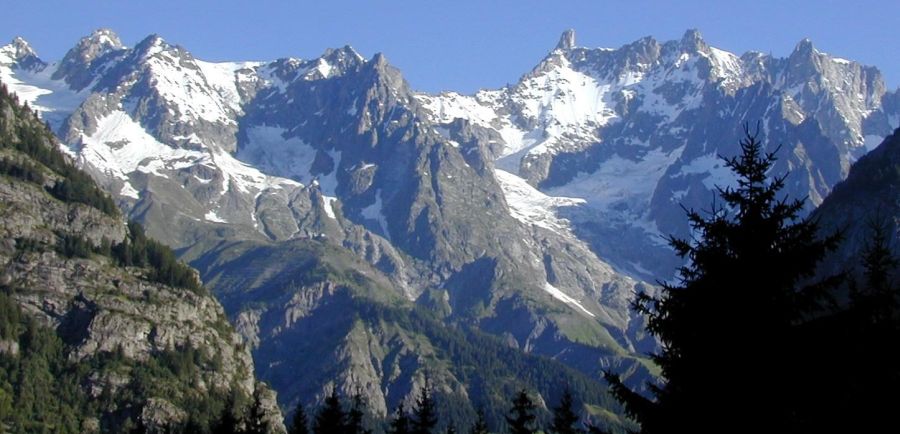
x=521 y=418
x=564 y=416
x=480 y=426
x=356 y=416
x=400 y=424
x=726 y=327
x=877 y=300
x=229 y=421
x=848 y=365
x=331 y=419
x=874 y=364
x=299 y=423
x=256 y=418
x=425 y=414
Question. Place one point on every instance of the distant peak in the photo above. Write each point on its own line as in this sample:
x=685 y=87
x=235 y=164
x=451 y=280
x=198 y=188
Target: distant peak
x=693 y=40
x=566 y=40
x=77 y=61
x=21 y=48
x=154 y=39
x=99 y=42
x=104 y=37
x=20 y=43
x=19 y=51
x=344 y=53
x=151 y=44
x=379 y=60
x=804 y=46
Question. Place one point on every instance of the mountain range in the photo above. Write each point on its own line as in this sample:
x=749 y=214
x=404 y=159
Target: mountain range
x=364 y=235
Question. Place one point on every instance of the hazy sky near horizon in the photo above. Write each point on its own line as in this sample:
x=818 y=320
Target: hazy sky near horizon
x=460 y=45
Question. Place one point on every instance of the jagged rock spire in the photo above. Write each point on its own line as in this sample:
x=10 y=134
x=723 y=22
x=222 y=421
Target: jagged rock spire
x=693 y=40
x=567 y=40
x=804 y=46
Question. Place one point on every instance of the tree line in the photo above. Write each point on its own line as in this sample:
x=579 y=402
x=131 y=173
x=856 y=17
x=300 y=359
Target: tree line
x=338 y=417
x=136 y=250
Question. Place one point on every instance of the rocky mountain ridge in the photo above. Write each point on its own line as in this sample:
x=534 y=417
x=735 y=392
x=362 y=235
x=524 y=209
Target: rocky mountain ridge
x=628 y=134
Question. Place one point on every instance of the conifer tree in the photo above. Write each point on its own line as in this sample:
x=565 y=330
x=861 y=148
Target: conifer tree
x=400 y=423
x=480 y=426
x=299 y=423
x=564 y=416
x=229 y=421
x=872 y=365
x=876 y=301
x=356 y=416
x=331 y=419
x=726 y=326
x=256 y=418
x=425 y=413
x=521 y=418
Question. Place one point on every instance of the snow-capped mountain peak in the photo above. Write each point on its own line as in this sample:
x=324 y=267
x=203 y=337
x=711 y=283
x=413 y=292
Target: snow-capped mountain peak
x=17 y=49
x=19 y=53
x=98 y=43
x=585 y=120
x=77 y=67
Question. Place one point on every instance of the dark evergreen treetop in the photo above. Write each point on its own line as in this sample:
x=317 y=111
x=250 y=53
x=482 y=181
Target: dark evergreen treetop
x=257 y=423
x=564 y=416
x=480 y=426
x=228 y=422
x=425 y=414
x=356 y=416
x=521 y=418
x=876 y=299
x=400 y=423
x=727 y=327
x=331 y=418
x=299 y=423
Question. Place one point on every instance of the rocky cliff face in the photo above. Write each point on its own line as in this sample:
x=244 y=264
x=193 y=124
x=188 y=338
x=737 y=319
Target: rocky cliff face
x=53 y=267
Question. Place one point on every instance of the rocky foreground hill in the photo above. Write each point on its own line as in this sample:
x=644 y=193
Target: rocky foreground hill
x=100 y=329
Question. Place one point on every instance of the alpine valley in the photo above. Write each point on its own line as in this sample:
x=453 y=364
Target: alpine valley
x=363 y=235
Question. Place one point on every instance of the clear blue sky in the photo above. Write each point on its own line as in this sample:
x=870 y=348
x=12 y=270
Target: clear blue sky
x=460 y=45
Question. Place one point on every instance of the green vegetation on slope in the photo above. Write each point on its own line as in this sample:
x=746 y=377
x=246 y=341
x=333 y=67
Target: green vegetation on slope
x=46 y=386
x=41 y=387
x=36 y=141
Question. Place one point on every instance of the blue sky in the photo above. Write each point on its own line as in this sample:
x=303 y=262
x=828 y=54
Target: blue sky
x=460 y=45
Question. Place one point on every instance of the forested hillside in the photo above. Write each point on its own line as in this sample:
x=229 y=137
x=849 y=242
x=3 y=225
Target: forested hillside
x=101 y=328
